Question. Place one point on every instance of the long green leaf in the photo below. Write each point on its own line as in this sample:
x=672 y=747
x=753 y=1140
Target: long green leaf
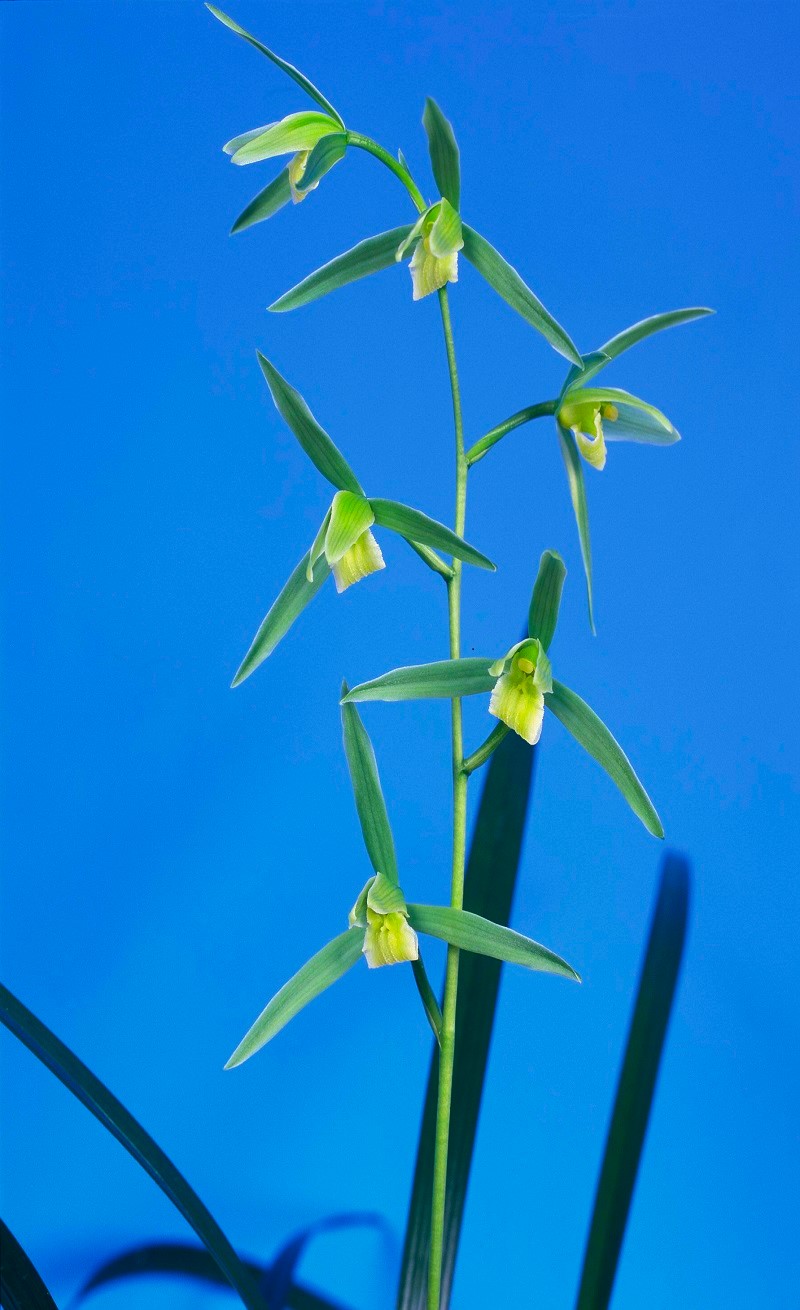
x=369 y=256
x=325 y=154
x=442 y=680
x=416 y=526
x=636 y=1086
x=294 y=133
x=274 y=196
x=656 y=323
x=315 y=441
x=471 y=932
x=21 y=1285
x=285 y=67
x=577 y=492
x=368 y=792
x=180 y=1260
x=489 y=888
x=122 y=1125
x=546 y=598
x=316 y=975
x=507 y=282
x=595 y=738
x=292 y=600
x=444 y=152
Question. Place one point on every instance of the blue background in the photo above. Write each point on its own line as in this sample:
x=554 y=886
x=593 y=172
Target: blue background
x=174 y=850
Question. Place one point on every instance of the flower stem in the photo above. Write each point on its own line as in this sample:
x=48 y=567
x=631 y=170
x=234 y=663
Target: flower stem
x=448 y=1040
x=542 y=410
x=372 y=147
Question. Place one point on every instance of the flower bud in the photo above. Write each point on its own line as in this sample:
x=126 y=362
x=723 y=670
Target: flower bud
x=518 y=695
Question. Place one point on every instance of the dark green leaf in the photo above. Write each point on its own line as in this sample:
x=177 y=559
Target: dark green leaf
x=182 y=1261
x=593 y=735
x=636 y=1085
x=442 y=680
x=444 y=153
x=429 y=1001
x=292 y=72
x=325 y=154
x=367 y=257
x=122 y=1125
x=368 y=793
x=274 y=196
x=316 y=975
x=296 y=594
x=472 y=932
x=416 y=526
x=577 y=491
x=507 y=282
x=489 y=888
x=315 y=441
x=21 y=1285
x=546 y=598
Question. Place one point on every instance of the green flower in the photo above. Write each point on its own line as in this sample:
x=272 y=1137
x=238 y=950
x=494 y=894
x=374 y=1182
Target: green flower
x=346 y=542
x=523 y=677
x=584 y=410
x=437 y=238
x=382 y=912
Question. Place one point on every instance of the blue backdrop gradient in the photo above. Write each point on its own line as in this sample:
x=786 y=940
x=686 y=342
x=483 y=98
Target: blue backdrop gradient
x=173 y=850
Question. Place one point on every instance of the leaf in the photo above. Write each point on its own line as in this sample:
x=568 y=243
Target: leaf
x=296 y=594
x=416 y=526
x=316 y=975
x=122 y=1125
x=426 y=995
x=294 y=133
x=21 y=1284
x=546 y=598
x=657 y=323
x=577 y=492
x=489 y=888
x=636 y=1086
x=368 y=793
x=290 y=69
x=593 y=735
x=507 y=282
x=325 y=154
x=274 y=196
x=369 y=256
x=444 y=153
x=315 y=441
x=471 y=932
x=183 y=1261
x=441 y=680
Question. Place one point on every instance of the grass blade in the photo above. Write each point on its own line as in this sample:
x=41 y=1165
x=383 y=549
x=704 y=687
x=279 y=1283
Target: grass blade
x=489 y=890
x=21 y=1284
x=314 y=440
x=416 y=526
x=636 y=1085
x=296 y=594
x=443 y=679
x=121 y=1124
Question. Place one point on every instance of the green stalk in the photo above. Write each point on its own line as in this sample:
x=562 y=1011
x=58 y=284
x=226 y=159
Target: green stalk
x=448 y=1039
x=372 y=148
x=544 y=409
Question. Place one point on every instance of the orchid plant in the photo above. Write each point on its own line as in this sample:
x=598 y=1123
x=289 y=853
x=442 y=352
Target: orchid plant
x=383 y=926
